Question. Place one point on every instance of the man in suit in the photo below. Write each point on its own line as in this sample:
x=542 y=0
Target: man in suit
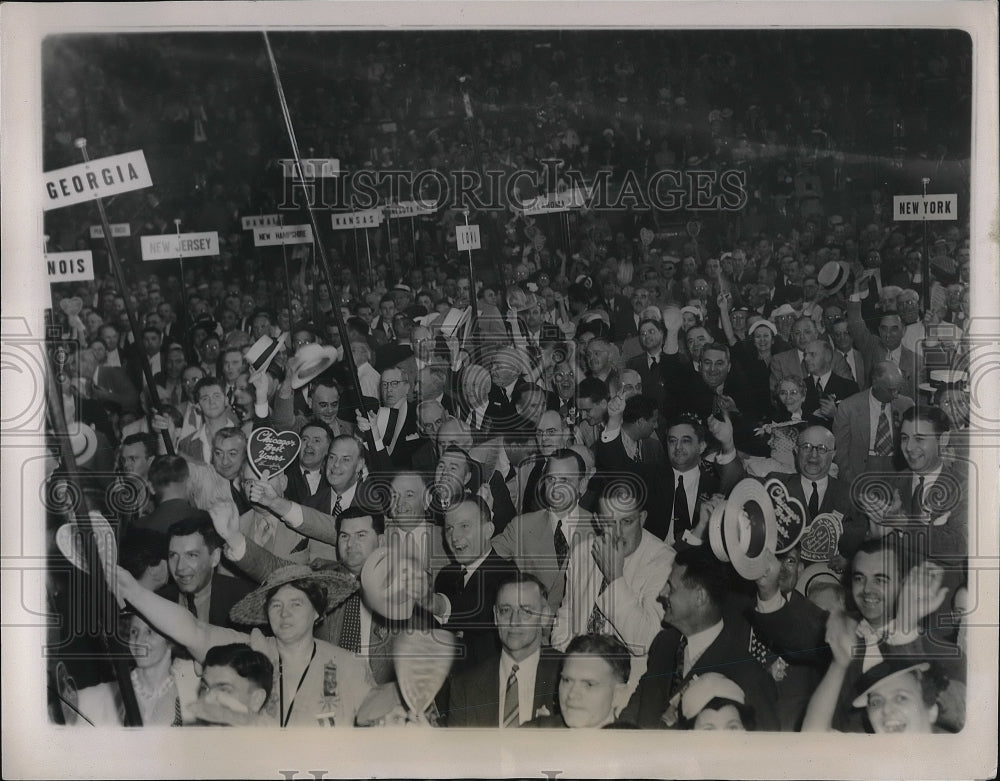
x=194 y=553
x=791 y=363
x=634 y=444
x=614 y=579
x=396 y=420
x=519 y=683
x=112 y=382
x=887 y=346
x=506 y=369
x=866 y=425
x=928 y=509
x=824 y=389
x=625 y=321
x=539 y=542
x=818 y=492
x=216 y=416
x=689 y=478
x=465 y=590
x=650 y=363
x=344 y=466
x=551 y=434
x=696 y=639
x=307 y=483
x=844 y=344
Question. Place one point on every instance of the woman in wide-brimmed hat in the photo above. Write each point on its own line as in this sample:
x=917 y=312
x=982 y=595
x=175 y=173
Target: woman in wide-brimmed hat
x=315 y=683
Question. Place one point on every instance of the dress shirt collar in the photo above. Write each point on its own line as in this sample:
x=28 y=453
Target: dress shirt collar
x=699 y=642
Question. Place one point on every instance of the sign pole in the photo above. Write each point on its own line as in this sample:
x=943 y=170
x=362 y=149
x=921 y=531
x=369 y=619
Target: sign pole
x=180 y=260
x=925 y=270
x=147 y=374
x=413 y=237
x=324 y=264
x=474 y=315
x=288 y=279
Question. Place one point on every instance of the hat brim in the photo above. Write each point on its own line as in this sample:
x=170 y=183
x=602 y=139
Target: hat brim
x=839 y=282
x=312 y=367
x=89 y=444
x=383 y=590
x=883 y=672
x=70 y=544
x=252 y=609
x=260 y=360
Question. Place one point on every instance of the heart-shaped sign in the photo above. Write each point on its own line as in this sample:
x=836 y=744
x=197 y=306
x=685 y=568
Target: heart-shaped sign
x=646 y=237
x=271 y=453
x=71 y=306
x=789 y=515
x=422 y=661
x=819 y=542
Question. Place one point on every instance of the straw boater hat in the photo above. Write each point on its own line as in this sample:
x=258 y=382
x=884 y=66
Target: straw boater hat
x=252 y=609
x=833 y=276
x=84 y=443
x=519 y=300
x=262 y=352
x=947 y=379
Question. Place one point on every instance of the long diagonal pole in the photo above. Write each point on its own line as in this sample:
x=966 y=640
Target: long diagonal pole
x=116 y=266
x=324 y=262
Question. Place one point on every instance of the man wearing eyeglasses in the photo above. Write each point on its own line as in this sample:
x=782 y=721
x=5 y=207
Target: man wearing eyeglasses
x=396 y=421
x=819 y=493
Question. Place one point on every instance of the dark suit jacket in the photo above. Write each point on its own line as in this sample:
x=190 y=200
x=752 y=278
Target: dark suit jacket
x=476 y=691
x=623 y=324
x=729 y=655
x=226 y=592
x=116 y=385
x=714 y=479
x=501 y=415
x=654 y=385
x=408 y=442
x=298 y=491
x=838 y=387
x=836 y=499
x=472 y=604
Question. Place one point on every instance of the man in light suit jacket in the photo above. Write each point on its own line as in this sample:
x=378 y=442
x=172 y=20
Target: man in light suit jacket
x=539 y=543
x=790 y=363
x=482 y=695
x=856 y=424
x=887 y=346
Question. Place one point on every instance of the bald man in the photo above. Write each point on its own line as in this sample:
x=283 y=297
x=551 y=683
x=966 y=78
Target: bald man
x=551 y=434
x=866 y=425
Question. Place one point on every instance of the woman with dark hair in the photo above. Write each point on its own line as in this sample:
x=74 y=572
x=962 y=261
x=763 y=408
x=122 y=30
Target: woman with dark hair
x=314 y=682
x=714 y=702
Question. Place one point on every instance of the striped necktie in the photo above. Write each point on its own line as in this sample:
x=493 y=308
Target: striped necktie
x=511 y=706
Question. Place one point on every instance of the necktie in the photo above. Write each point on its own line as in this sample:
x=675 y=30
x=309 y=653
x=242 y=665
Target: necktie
x=337 y=508
x=350 y=632
x=597 y=620
x=189 y=598
x=805 y=371
x=654 y=362
x=678 y=675
x=230 y=392
x=562 y=546
x=390 y=428
x=682 y=518
x=814 y=502
x=638 y=453
x=883 y=439
x=847 y=363
x=511 y=706
x=465 y=576
x=917 y=502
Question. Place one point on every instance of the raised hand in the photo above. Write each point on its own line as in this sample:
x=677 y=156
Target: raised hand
x=225 y=519
x=722 y=430
x=841 y=635
x=920 y=595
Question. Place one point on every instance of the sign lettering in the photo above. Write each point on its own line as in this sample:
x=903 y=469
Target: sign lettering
x=70 y=266
x=260 y=221
x=96 y=179
x=277 y=235
x=118 y=230
x=921 y=208
x=467 y=236
x=370 y=218
x=185 y=245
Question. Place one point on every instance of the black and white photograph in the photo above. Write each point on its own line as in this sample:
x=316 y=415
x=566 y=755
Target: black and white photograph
x=451 y=376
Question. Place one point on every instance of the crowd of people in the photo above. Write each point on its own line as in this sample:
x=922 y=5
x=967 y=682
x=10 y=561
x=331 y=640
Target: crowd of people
x=527 y=468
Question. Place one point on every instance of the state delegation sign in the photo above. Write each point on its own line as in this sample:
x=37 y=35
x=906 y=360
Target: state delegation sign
x=96 y=179
x=370 y=218
x=918 y=208
x=184 y=245
x=70 y=266
x=275 y=236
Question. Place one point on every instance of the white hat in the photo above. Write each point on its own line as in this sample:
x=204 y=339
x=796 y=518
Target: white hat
x=84 y=443
x=833 y=276
x=766 y=323
x=783 y=311
x=312 y=360
x=705 y=688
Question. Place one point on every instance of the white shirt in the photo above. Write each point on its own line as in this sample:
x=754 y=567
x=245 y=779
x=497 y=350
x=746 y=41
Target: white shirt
x=929 y=479
x=850 y=361
x=912 y=335
x=527 y=670
x=874 y=410
x=369 y=380
x=894 y=355
x=478 y=415
x=114 y=359
x=312 y=477
x=698 y=643
x=821 y=486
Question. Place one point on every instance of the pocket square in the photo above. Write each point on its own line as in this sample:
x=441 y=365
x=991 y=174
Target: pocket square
x=411 y=437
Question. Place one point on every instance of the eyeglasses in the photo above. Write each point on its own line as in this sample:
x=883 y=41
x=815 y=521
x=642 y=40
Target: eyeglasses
x=808 y=448
x=563 y=375
x=392 y=384
x=546 y=432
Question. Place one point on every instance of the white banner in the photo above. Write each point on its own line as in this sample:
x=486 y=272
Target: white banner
x=467 y=236
x=118 y=230
x=312 y=168
x=260 y=221
x=96 y=179
x=561 y=201
x=369 y=218
x=408 y=209
x=70 y=266
x=288 y=234
x=921 y=208
x=185 y=245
